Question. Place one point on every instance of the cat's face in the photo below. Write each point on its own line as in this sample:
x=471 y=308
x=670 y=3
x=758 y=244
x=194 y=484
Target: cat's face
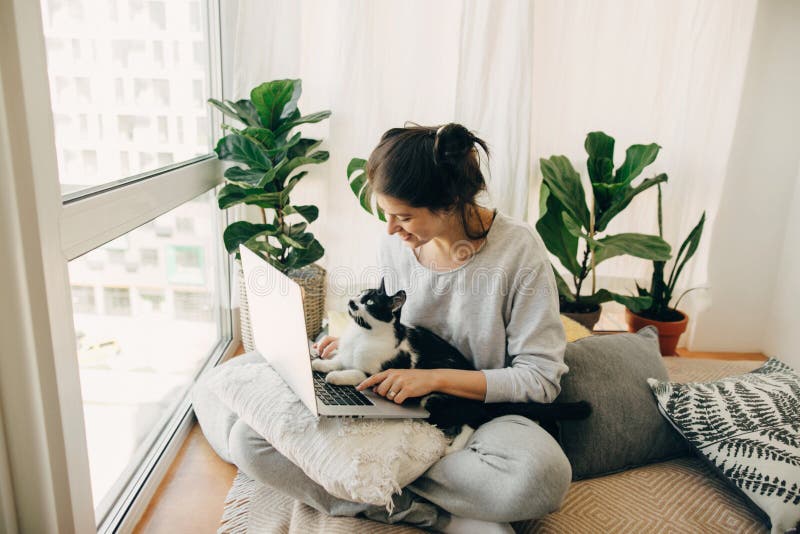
x=375 y=305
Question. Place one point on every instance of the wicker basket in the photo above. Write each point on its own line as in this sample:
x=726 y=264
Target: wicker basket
x=311 y=280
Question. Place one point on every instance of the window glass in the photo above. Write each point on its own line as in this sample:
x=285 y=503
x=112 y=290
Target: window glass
x=119 y=97
x=146 y=321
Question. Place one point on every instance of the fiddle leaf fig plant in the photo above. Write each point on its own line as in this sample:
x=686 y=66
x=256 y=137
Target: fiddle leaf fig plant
x=566 y=220
x=660 y=291
x=267 y=158
x=357 y=178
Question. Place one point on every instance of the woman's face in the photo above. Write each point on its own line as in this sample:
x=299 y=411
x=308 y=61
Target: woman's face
x=415 y=226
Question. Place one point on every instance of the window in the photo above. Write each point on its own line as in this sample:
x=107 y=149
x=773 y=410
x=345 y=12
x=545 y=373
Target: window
x=83 y=299
x=192 y=306
x=152 y=299
x=129 y=84
x=117 y=300
x=185 y=265
x=158 y=344
x=149 y=257
x=147 y=286
x=184 y=225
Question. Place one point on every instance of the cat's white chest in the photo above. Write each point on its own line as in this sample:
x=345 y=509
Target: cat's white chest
x=367 y=349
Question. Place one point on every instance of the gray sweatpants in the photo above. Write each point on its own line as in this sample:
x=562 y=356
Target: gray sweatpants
x=511 y=469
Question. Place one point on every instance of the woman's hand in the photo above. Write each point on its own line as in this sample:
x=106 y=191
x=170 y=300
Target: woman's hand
x=326 y=346
x=400 y=384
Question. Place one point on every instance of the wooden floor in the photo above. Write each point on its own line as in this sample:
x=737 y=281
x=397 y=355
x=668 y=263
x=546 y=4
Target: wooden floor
x=191 y=497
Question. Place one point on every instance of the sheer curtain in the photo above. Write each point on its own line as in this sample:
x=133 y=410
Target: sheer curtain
x=532 y=78
x=378 y=64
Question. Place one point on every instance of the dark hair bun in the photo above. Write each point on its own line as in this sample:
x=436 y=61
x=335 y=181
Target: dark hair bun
x=451 y=143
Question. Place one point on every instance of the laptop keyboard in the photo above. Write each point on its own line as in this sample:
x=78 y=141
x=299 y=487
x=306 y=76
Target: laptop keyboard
x=338 y=395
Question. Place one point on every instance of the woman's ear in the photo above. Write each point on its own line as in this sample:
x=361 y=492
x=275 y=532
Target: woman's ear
x=398 y=299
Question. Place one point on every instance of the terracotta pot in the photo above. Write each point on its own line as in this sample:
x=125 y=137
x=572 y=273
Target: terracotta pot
x=587 y=319
x=668 y=331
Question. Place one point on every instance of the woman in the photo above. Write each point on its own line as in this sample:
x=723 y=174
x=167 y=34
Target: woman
x=482 y=281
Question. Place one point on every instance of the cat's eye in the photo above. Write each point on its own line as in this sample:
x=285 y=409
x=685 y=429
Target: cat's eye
x=369 y=302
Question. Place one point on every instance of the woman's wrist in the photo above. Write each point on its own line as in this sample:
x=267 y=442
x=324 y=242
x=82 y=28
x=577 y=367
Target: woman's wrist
x=461 y=383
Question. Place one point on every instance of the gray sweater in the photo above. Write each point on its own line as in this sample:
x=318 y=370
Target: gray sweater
x=500 y=309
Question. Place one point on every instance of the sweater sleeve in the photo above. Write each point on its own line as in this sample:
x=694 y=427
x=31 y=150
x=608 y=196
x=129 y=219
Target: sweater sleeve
x=536 y=342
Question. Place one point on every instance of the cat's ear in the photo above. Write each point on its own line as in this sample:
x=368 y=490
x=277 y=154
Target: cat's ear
x=382 y=289
x=398 y=299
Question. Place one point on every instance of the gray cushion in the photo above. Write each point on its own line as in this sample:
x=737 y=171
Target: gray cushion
x=625 y=428
x=215 y=419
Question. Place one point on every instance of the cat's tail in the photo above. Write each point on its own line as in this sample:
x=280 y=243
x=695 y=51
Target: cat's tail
x=535 y=410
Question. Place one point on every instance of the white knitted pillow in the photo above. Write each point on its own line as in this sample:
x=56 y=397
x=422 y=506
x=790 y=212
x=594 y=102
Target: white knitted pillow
x=360 y=460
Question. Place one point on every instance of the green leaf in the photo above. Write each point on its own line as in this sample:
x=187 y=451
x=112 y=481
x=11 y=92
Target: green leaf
x=357 y=179
x=233 y=194
x=309 y=213
x=295 y=229
x=224 y=108
x=242 y=110
x=630 y=302
x=293 y=181
x=236 y=147
x=298 y=258
x=290 y=241
x=246 y=177
x=276 y=101
x=303 y=147
x=270 y=253
x=246 y=111
x=600 y=164
x=243 y=231
x=314 y=117
x=556 y=237
x=621 y=203
x=637 y=157
x=571 y=226
x=563 y=289
x=565 y=184
x=649 y=247
x=689 y=245
x=290 y=165
x=261 y=135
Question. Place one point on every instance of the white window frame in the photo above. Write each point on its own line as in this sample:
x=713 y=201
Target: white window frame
x=45 y=484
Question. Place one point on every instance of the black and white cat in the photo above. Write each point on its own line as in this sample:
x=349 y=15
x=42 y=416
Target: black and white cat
x=376 y=340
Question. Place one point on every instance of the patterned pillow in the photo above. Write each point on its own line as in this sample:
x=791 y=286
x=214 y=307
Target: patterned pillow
x=748 y=428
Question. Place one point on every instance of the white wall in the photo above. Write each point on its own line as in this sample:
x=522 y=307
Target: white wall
x=750 y=229
x=781 y=336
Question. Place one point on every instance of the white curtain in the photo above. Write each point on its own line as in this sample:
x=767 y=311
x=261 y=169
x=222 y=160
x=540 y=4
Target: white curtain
x=532 y=79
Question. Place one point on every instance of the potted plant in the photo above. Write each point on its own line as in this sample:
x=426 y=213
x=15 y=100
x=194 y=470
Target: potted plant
x=267 y=158
x=566 y=222
x=670 y=322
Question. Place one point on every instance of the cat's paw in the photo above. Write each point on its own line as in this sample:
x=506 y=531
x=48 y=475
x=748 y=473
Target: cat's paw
x=433 y=399
x=324 y=366
x=348 y=377
x=459 y=441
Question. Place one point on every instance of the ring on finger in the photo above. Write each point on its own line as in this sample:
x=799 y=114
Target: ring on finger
x=391 y=394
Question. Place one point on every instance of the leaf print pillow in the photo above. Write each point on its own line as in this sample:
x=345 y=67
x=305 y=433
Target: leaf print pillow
x=748 y=428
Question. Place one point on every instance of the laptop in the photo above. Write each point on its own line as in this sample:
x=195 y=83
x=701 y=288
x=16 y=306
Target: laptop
x=279 y=332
